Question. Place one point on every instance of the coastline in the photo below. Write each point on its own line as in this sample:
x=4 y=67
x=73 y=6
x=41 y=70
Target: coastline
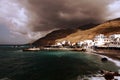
x=64 y=49
x=115 y=56
x=114 y=60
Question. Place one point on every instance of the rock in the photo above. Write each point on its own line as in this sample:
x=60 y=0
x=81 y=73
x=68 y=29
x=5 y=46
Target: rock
x=109 y=76
x=104 y=59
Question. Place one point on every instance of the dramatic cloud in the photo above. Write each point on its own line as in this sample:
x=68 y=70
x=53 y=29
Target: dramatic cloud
x=14 y=23
x=32 y=19
x=52 y=14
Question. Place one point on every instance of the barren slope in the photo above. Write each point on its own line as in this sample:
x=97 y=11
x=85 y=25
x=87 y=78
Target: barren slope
x=111 y=27
x=73 y=35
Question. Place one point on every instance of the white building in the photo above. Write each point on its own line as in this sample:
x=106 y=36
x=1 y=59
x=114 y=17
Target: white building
x=79 y=43
x=115 y=40
x=89 y=43
x=58 y=44
x=66 y=43
x=100 y=40
x=115 y=37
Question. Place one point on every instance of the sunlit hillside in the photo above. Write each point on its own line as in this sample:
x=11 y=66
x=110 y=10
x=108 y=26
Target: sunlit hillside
x=73 y=35
x=111 y=27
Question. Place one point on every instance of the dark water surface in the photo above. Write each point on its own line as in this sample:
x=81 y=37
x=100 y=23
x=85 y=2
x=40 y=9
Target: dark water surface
x=49 y=65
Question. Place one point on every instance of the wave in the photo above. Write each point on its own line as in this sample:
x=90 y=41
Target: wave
x=117 y=63
x=90 y=78
x=95 y=77
x=5 y=78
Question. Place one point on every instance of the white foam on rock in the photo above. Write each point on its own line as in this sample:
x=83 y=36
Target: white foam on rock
x=96 y=78
x=117 y=63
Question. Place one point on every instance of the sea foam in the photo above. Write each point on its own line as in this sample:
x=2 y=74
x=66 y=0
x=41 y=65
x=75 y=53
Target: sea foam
x=5 y=78
x=117 y=63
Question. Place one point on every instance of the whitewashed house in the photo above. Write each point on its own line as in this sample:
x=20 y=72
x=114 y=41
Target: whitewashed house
x=89 y=43
x=58 y=44
x=80 y=44
x=115 y=37
x=66 y=43
x=63 y=42
x=115 y=40
x=101 y=40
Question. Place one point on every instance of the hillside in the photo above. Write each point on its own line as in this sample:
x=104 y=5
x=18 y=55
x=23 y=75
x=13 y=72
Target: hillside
x=87 y=26
x=75 y=35
x=51 y=37
x=107 y=28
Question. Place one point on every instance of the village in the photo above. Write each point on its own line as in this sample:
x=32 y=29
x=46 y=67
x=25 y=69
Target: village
x=99 y=41
x=112 y=41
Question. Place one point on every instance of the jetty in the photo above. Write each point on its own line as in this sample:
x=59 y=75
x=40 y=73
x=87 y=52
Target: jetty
x=32 y=49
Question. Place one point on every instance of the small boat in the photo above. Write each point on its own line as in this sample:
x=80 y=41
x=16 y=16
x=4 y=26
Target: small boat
x=31 y=49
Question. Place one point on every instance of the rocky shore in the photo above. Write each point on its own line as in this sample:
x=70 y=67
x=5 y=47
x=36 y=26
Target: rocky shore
x=115 y=54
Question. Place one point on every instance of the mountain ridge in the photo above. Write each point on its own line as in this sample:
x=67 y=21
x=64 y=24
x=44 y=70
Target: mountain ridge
x=75 y=35
x=50 y=38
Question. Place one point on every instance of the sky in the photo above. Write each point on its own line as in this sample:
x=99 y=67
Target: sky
x=24 y=21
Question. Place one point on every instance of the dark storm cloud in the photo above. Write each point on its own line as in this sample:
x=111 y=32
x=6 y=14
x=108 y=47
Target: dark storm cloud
x=51 y=14
x=27 y=20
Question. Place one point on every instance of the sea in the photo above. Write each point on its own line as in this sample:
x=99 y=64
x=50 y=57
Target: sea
x=16 y=64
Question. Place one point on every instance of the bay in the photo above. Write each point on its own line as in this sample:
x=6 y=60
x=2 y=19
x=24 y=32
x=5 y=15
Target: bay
x=49 y=65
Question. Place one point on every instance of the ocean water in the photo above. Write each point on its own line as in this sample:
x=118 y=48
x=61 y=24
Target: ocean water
x=50 y=65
